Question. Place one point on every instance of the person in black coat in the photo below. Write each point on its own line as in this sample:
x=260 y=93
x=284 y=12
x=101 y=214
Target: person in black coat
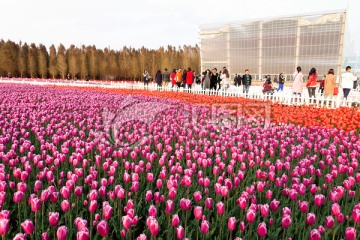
x=246 y=81
x=213 y=79
x=158 y=78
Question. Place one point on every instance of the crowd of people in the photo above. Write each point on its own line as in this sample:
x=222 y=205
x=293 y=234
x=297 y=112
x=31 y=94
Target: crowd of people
x=214 y=80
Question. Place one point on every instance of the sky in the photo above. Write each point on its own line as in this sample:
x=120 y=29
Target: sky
x=148 y=23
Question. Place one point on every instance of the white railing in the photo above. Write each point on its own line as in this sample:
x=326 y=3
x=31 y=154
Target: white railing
x=255 y=92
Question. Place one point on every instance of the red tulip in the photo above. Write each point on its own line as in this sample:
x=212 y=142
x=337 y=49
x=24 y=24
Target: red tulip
x=204 y=227
x=28 y=226
x=314 y=235
x=175 y=220
x=61 y=233
x=220 y=207
x=53 y=219
x=310 y=219
x=350 y=233
x=262 y=230
x=198 y=212
x=4 y=226
x=329 y=221
x=232 y=223
x=102 y=228
x=180 y=232
x=83 y=235
x=126 y=221
x=286 y=221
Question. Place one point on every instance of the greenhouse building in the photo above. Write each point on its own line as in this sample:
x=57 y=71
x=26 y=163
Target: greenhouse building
x=276 y=45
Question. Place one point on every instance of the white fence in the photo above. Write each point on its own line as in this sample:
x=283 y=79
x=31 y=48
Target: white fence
x=255 y=92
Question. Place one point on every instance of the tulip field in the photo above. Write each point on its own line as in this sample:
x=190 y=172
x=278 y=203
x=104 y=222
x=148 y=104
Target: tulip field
x=78 y=163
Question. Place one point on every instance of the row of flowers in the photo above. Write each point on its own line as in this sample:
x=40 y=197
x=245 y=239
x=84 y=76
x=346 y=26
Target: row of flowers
x=78 y=164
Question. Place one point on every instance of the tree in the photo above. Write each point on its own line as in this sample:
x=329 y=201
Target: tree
x=53 y=70
x=32 y=61
x=73 y=60
x=61 y=61
x=83 y=63
x=23 y=60
x=9 y=58
x=43 y=60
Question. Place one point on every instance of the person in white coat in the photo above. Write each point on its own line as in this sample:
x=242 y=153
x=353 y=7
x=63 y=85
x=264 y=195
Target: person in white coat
x=225 y=76
x=347 y=81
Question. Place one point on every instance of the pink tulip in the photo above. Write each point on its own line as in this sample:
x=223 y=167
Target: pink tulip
x=61 y=233
x=169 y=206
x=250 y=215
x=220 y=207
x=45 y=236
x=65 y=205
x=262 y=230
x=102 y=228
x=286 y=221
x=83 y=235
x=274 y=205
x=198 y=212
x=180 y=232
x=107 y=211
x=152 y=211
x=93 y=206
x=303 y=206
x=148 y=196
x=329 y=221
x=208 y=203
x=126 y=221
x=335 y=209
x=232 y=223
x=28 y=226
x=4 y=226
x=310 y=219
x=18 y=196
x=53 y=219
x=350 y=233
x=314 y=235
x=356 y=214
x=175 y=220
x=204 y=227
x=197 y=196
x=319 y=200
x=153 y=226
x=185 y=204
x=20 y=236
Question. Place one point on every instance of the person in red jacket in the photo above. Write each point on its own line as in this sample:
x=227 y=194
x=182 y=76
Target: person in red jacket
x=189 y=78
x=173 y=78
x=311 y=84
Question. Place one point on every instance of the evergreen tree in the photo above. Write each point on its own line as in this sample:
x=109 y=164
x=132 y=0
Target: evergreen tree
x=53 y=70
x=43 y=60
x=61 y=61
